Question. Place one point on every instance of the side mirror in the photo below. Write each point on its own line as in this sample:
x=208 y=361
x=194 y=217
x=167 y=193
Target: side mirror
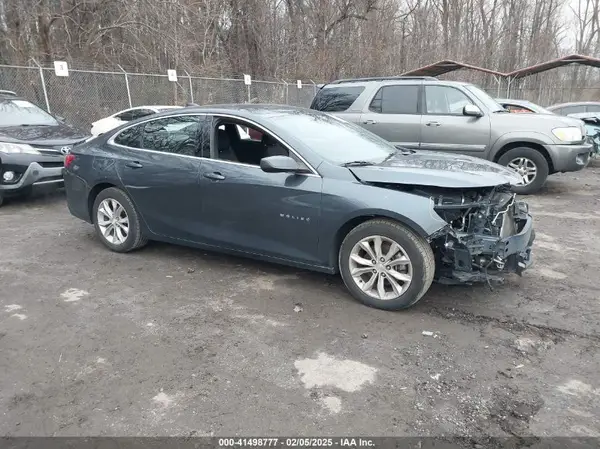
x=280 y=164
x=60 y=119
x=472 y=111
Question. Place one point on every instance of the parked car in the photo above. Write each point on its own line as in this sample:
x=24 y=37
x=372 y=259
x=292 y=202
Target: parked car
x=119 y=118
x=430 y=114
x=590 y=119
x=33 y=145
x=575 y=107
x=592 y=125
x=316 y=192
x=522 y=106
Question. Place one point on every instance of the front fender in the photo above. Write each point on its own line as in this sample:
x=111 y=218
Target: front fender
x=534 y=137
x=345 y=204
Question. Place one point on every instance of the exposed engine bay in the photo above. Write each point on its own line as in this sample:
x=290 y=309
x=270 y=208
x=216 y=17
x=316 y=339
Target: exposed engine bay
x=488 y=232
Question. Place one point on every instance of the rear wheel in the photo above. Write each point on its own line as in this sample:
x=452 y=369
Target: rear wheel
x=386 y=265
x=530 y=165
x=117 y=222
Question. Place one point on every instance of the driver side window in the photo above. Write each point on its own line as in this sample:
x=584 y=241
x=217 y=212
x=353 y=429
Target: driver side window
x=445 y=100
x=244 y=144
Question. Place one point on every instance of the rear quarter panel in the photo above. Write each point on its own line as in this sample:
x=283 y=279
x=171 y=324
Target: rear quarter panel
x=93 y=167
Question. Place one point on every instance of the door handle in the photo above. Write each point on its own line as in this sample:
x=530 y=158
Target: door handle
x=214 y=175
x=133 y=164
x=370 y=122
x=433 y=124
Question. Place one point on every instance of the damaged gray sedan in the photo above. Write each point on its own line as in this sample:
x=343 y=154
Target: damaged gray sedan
x=302 y=188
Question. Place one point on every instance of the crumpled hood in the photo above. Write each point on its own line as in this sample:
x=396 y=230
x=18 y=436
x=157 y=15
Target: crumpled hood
x=429 y=168
x=41 y=135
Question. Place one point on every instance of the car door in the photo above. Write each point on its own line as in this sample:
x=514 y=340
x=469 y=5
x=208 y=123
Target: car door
x=159 y=165
x=249 y=210
x=394 y=115
x=445 y=128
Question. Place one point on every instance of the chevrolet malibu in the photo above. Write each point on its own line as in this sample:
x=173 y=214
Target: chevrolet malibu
x=314 y=192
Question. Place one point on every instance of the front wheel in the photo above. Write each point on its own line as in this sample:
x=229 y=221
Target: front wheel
x=386 y=265
x=117 y=222
x=530 y=165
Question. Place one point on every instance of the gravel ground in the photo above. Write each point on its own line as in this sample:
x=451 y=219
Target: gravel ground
x=176 y=341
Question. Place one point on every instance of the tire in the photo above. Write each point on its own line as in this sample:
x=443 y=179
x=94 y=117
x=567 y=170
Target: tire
x=108 y=199
x=1 y=199
x=412 y=246
x=534 y=156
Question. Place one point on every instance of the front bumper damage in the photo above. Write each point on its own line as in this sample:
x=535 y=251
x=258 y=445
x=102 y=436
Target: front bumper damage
x=488 y=240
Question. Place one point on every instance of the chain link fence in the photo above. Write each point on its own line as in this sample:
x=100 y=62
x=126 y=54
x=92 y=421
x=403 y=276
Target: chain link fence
x=86 y=96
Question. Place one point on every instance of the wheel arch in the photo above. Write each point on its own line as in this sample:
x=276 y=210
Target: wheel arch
x=523 y=143
x=94 y=192
x=353 y=222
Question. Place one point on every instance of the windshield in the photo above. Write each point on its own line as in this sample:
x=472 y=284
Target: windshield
x=484 y=97
x=21 y=112
x=336 y=140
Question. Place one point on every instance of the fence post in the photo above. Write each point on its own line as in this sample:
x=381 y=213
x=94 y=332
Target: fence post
x=43 y=85
x=127 y=86
x=287 y=91
x=191 y=88
x=314 y=87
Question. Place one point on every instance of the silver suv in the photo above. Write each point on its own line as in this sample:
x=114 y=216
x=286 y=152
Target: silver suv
x=430 y=114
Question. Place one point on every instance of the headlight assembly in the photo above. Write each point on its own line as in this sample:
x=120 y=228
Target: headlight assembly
x=569 y=134
x=18 y=148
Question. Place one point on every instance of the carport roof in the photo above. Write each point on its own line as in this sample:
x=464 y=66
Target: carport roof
x=446 y=66
x=553 y=64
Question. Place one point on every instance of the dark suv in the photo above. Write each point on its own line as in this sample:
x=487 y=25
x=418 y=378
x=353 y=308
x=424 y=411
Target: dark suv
x=33 y=145
x=430 y=114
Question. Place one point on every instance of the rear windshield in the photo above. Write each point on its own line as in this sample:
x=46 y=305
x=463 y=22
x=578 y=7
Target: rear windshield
x=336 y=99
x=21 y=112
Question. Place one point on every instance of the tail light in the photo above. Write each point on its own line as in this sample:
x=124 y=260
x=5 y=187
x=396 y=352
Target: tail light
x=69 y=159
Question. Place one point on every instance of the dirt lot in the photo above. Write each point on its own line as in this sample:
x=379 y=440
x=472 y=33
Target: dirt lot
x=175 y=341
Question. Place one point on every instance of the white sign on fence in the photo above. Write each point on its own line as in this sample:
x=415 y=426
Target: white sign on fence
x=172 y=75
x=247 y=79
x=299 y=84
x=61 y=68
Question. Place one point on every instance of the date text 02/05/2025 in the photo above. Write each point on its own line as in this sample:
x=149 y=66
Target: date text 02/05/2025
x=295 y=442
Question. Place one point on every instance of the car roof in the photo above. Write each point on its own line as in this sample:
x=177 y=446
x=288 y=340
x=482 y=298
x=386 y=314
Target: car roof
x=244 y=110
x=573 y=103
x=389 y=80
x=155 y=106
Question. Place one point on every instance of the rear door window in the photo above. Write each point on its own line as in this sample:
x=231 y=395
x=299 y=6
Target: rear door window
x=396 y=100
x=336 y=99
x=188 y=135
x=185 y=134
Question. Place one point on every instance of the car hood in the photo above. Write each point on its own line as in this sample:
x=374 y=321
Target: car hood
x=41 y=135
x=428 y=168
x=533 y=122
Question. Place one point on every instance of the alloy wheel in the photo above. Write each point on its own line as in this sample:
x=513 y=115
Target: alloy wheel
x=380 y=267
x=113 y=221
x=525 y=168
